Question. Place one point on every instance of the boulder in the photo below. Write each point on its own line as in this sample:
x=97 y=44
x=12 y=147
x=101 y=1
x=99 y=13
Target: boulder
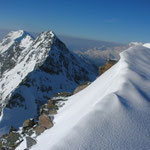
x=39 y=130
x=81 y=87
x=28 y=124
x=30 y=142
x=45 y=121
x=107 y=65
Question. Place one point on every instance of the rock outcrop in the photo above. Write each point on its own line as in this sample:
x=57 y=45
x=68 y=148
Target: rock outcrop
x=107 y=65
x=30 y=141
x=28 y=124
x=39 y=130
x=45 y=121
x=81 y=87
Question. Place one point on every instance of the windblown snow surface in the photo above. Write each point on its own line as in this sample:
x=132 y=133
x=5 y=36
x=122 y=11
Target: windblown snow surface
x=113 y=113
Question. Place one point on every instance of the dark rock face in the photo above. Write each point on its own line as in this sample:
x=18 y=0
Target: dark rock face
x=107 y=65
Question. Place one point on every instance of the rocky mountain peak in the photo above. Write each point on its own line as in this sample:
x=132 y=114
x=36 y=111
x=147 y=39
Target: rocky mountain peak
x=34 y=70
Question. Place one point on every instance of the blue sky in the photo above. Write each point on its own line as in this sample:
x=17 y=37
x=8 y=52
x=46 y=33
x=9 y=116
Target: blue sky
x=110 y=20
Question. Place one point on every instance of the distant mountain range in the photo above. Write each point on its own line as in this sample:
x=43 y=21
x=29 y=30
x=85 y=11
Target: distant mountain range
x=96 y=52
x=73 y=43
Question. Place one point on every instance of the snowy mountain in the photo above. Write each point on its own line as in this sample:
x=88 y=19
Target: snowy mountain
x=93 y=51
x=32 y=70
x=11 y=39
x=13 y=49
x=112 y=113
x=99 y=55
x=135 y=44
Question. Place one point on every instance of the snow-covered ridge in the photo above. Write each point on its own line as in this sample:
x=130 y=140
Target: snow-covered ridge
x=26 y=54
x=11 y=38
x=111 y=113
x=135 y=44
x=146 y=45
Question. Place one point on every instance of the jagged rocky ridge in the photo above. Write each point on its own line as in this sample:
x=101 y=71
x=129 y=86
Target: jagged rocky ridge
x=32 y=70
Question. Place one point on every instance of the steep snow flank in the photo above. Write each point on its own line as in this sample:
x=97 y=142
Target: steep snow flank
x=14 y=65
x=10 y=39
x=23 y=59
x=26 y=42
x=113 y=113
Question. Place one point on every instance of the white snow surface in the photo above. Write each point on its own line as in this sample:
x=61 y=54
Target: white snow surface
x=113 y=113
x=26 y=42
x=146 y=45
x=10 y=40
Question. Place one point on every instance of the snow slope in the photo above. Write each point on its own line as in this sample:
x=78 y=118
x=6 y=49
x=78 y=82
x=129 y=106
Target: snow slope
x=113 y=113
x=146 y=45
x=11 y=38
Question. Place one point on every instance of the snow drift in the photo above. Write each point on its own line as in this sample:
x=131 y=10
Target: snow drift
x=110 y=114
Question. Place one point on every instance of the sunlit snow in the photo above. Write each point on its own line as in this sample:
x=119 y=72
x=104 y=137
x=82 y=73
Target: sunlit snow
x=113 y=113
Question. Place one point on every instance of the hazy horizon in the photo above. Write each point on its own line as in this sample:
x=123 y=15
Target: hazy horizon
x=73 y=43
x=110 y=20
